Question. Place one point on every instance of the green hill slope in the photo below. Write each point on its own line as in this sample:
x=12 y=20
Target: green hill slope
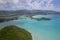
x=14 y=33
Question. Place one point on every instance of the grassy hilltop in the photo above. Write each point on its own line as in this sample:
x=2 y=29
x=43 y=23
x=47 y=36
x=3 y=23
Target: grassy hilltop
x=14 y=33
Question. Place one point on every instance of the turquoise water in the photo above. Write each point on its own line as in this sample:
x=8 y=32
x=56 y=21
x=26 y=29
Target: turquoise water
x=40 y=30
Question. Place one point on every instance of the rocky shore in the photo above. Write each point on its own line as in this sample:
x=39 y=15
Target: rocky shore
x=6 y=18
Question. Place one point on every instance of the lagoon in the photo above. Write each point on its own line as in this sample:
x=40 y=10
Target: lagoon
x=40 y=30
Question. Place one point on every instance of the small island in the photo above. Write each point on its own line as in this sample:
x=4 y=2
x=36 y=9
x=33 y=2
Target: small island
x=43 y=18
x=14 y=33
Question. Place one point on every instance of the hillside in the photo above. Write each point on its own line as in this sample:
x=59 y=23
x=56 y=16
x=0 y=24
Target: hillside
x=14 y=33
x=28 y=12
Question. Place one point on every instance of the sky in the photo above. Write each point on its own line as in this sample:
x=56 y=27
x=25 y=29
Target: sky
x=30 y=5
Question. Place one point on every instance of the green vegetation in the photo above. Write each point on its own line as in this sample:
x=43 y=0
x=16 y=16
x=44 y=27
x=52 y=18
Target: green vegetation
x=14 y=33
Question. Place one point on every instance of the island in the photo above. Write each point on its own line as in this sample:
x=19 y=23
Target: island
x=43 y=18
x=14 y=33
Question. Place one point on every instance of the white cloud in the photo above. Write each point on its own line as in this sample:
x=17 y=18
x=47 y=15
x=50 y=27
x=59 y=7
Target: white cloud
x=15 y=1
x=41 y=4
x=28 y=4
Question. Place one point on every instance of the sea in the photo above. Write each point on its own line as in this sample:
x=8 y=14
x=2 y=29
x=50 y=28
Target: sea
x=40 y=30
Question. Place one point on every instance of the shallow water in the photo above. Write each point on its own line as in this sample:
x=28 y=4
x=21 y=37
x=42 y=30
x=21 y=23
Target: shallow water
x=40 y=30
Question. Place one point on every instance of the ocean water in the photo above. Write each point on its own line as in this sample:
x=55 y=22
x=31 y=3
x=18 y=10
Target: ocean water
x=40 y=30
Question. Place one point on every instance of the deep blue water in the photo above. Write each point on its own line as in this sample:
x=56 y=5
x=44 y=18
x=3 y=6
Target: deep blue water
x=40 y=30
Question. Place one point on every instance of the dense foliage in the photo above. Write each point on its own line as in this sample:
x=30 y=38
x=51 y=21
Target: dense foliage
x=14 y=33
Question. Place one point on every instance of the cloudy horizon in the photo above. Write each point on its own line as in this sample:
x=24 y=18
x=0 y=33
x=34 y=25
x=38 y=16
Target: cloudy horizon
x=30 y=5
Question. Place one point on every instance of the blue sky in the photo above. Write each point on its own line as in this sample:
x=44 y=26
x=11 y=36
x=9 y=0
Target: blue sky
x=30 y=5
x=56 y=2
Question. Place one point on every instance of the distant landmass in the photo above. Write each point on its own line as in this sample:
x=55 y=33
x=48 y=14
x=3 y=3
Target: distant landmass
x=13 y=15
x=14 y=33
x=28 y=12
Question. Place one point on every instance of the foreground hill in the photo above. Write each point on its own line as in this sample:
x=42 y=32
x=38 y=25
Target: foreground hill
x=14 y=33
